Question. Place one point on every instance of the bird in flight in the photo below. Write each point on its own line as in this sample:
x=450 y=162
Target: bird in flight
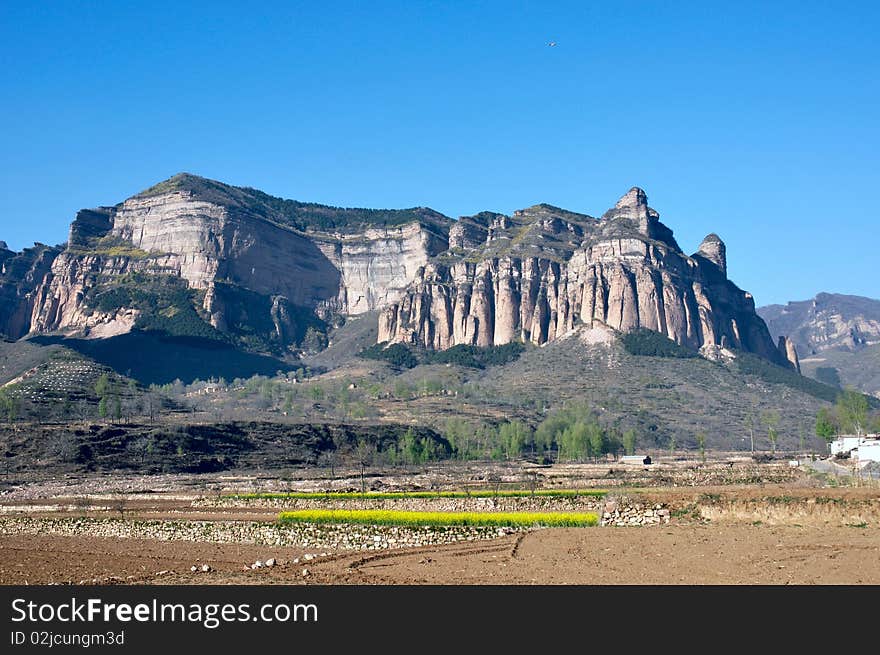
x=552 y=44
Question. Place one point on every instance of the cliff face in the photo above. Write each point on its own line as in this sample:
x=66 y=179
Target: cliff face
x=376 y=266
x=248 y=258
x=540 y=273
x=196 y=257
x=20 y=276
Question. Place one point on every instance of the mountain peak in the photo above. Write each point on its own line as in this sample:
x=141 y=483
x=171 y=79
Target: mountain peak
x=181 y=182
x=713 y=249
x=632 y=206
x=633 y=199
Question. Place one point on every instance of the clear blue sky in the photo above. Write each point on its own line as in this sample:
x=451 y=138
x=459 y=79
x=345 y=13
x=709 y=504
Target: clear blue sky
x=758 y=121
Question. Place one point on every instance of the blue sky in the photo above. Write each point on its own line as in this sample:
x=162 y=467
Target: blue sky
x=757 y=121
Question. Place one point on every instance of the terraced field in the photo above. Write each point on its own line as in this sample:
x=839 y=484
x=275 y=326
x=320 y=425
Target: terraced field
x=792 y=529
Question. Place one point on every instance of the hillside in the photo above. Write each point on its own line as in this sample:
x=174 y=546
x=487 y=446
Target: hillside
x=837 y=337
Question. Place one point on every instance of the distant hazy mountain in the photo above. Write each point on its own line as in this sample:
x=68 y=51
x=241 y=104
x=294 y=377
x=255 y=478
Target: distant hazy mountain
x=837 y=337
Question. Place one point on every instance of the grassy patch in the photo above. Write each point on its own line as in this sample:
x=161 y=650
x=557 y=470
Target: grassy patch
x=441 y=519
x=780 y=500
x=399 y=495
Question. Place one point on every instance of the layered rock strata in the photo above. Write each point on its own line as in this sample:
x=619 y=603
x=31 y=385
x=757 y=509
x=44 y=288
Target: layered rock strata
x=539 y=274
x=216 y=238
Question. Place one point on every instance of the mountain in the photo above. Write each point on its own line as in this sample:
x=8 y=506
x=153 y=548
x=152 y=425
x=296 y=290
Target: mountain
x=195 y=263
x=540 y=273
x=245 y=307
x=837 y=336
x=196 y=258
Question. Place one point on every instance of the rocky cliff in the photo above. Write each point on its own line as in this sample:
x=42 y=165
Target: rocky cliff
x=191 y=250
x=543 y=271
x=195 y=257
x=20 y=276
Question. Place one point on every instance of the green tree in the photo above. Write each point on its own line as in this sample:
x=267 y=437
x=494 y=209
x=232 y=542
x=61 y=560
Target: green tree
x=574 y=442
x=852 y=411
x=701 y=445
x=412 y=447
x=102 y=386
x=7 y=406
x=459 y=434
x=314 y=340
x=117 y=408
x=771 y=420
x=826 y=424
x=102 y=407
x=629 y=442
x=751 y=423
x=403 y=390
x=514 y=436
x=597 y=438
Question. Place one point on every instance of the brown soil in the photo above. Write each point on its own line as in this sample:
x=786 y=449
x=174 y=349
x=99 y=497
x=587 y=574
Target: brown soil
x=726 y=535
x=674 y=554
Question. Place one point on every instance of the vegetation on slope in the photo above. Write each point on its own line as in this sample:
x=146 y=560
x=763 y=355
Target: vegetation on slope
x=650 y=343
x=753 y=365
x=299 y=215
x=165 y=302
x=403 y=356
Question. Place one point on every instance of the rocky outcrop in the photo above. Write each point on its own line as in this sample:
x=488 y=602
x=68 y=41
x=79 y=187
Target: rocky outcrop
x=539 y=274
x=712 y=249
x=787 y=349
x=20 y=277
x=215 y=238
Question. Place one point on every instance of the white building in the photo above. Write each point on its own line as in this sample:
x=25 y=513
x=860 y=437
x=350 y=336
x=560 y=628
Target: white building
x=846 y=443
x=868 y=451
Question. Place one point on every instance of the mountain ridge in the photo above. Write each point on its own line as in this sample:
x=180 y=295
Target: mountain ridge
x=195 y=257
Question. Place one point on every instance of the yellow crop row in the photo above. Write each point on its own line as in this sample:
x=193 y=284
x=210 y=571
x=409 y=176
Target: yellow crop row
x=441 y=519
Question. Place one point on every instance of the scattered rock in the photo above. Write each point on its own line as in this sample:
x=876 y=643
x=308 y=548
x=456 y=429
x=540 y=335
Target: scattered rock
x=270 y=561
x=305 y=573
x=206 y=568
